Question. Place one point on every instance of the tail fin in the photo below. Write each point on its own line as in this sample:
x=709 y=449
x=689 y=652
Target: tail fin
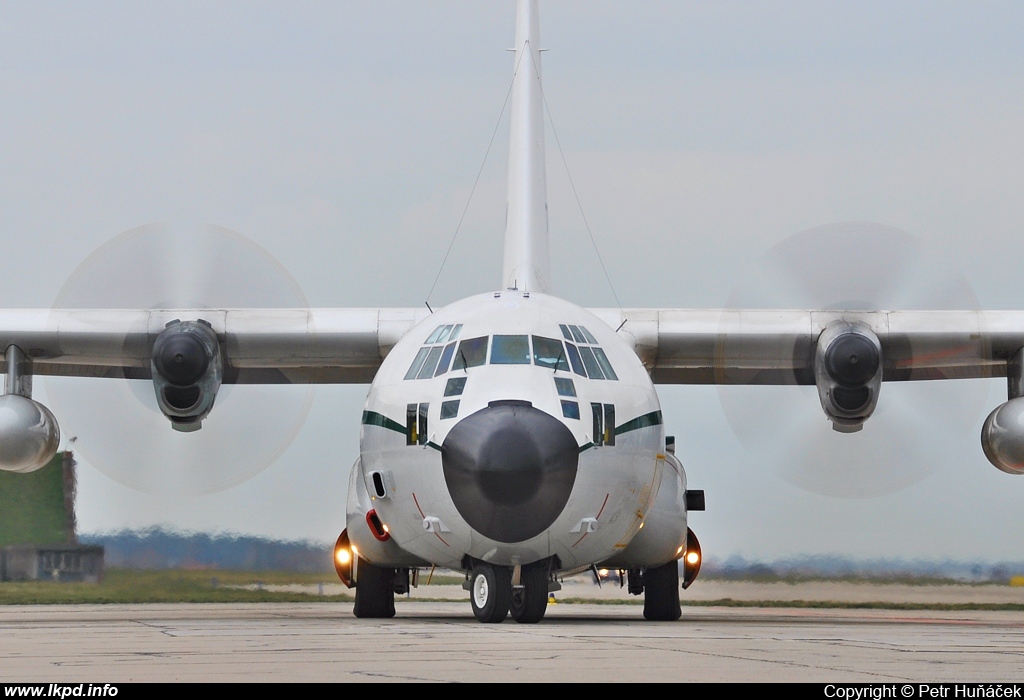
x=527 y=263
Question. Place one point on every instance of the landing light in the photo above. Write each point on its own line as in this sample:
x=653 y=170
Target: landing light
x=345 y=559
x=691 y=560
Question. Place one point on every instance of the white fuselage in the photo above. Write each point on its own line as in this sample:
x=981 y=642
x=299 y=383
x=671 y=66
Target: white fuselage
x=540 y=358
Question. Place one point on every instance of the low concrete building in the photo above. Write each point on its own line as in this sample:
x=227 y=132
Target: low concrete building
x=38 y=538
x=67 y=563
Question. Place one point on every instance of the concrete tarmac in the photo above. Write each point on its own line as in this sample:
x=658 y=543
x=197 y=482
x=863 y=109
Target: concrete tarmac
x=442 y=642
x=712 y=590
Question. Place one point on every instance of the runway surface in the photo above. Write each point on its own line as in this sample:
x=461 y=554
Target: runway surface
x=442 y=642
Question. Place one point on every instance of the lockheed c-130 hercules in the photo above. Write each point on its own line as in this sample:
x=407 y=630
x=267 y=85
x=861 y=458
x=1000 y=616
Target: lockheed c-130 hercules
x=511 y=435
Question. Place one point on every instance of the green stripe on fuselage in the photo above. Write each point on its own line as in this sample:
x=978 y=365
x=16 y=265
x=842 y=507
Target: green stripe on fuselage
x=645 y=421
x=374 y=418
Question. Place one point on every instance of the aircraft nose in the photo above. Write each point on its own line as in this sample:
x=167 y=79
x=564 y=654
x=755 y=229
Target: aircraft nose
x=510 y=469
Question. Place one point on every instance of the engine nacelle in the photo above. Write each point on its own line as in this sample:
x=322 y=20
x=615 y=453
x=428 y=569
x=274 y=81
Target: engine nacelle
x=29 y=434
x=848 y=373
x=187 y=367
x=1002 y=436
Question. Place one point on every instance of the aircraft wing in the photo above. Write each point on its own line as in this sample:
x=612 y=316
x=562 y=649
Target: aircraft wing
x=678 y=346
x=846 y=354
x=262 y=346
x=756 y=346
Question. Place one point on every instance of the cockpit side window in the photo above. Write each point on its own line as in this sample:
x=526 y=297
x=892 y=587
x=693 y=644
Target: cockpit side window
x=606 y=366
x=472 y=353
x=510 y=350
x=433 y=337
x=548 y=352
x=593 y=369
x=444 y=334
x=455 y=386
x=565 y=387
x=575 y=359
x=446 y=359
x=416 y=424
x=417 y=363
x=577 y=335
x=430 y=364
x=425 y=365
x=586 y=356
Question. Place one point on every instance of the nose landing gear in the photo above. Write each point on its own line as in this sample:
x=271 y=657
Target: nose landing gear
x=490 y=592
x=494 y=594
x=530 y=599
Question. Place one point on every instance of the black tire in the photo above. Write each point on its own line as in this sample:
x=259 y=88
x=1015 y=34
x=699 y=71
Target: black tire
x=375 y=591
x=490 y=592
x=661 y=593
x=530 y=602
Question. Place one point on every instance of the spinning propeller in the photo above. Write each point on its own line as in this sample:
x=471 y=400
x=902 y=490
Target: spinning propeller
x=117 y=426
x=855 y=266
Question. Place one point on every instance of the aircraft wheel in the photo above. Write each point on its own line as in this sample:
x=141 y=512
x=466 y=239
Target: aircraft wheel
x=375 y=591
x=661 y=592
x=491 y=592
x=530 y=602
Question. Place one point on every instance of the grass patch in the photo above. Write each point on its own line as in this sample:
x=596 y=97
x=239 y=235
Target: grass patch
x=168 y=586
x=577 y=600
x=214 y=586
x=180 y=586
x=441 y=580
x=895 y=579
x=837 y=604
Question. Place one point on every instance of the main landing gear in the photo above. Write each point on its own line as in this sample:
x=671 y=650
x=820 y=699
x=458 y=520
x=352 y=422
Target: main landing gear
x=375 y=589
x=661 y=592
x=494 y=594
x=660 y=586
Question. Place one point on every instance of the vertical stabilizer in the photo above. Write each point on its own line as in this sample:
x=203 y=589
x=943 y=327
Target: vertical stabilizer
x=527 y=264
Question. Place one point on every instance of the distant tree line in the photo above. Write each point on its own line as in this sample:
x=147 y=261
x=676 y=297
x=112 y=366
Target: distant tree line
x=835 y=567
x=159 y=548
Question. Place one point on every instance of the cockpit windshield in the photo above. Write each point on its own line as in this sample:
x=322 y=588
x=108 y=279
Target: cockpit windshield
x=578 y=353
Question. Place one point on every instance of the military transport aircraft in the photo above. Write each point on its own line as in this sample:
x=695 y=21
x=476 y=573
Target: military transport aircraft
x=511 y=435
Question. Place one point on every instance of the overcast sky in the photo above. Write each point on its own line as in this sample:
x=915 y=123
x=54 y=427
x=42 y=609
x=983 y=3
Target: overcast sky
x=344 y=138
